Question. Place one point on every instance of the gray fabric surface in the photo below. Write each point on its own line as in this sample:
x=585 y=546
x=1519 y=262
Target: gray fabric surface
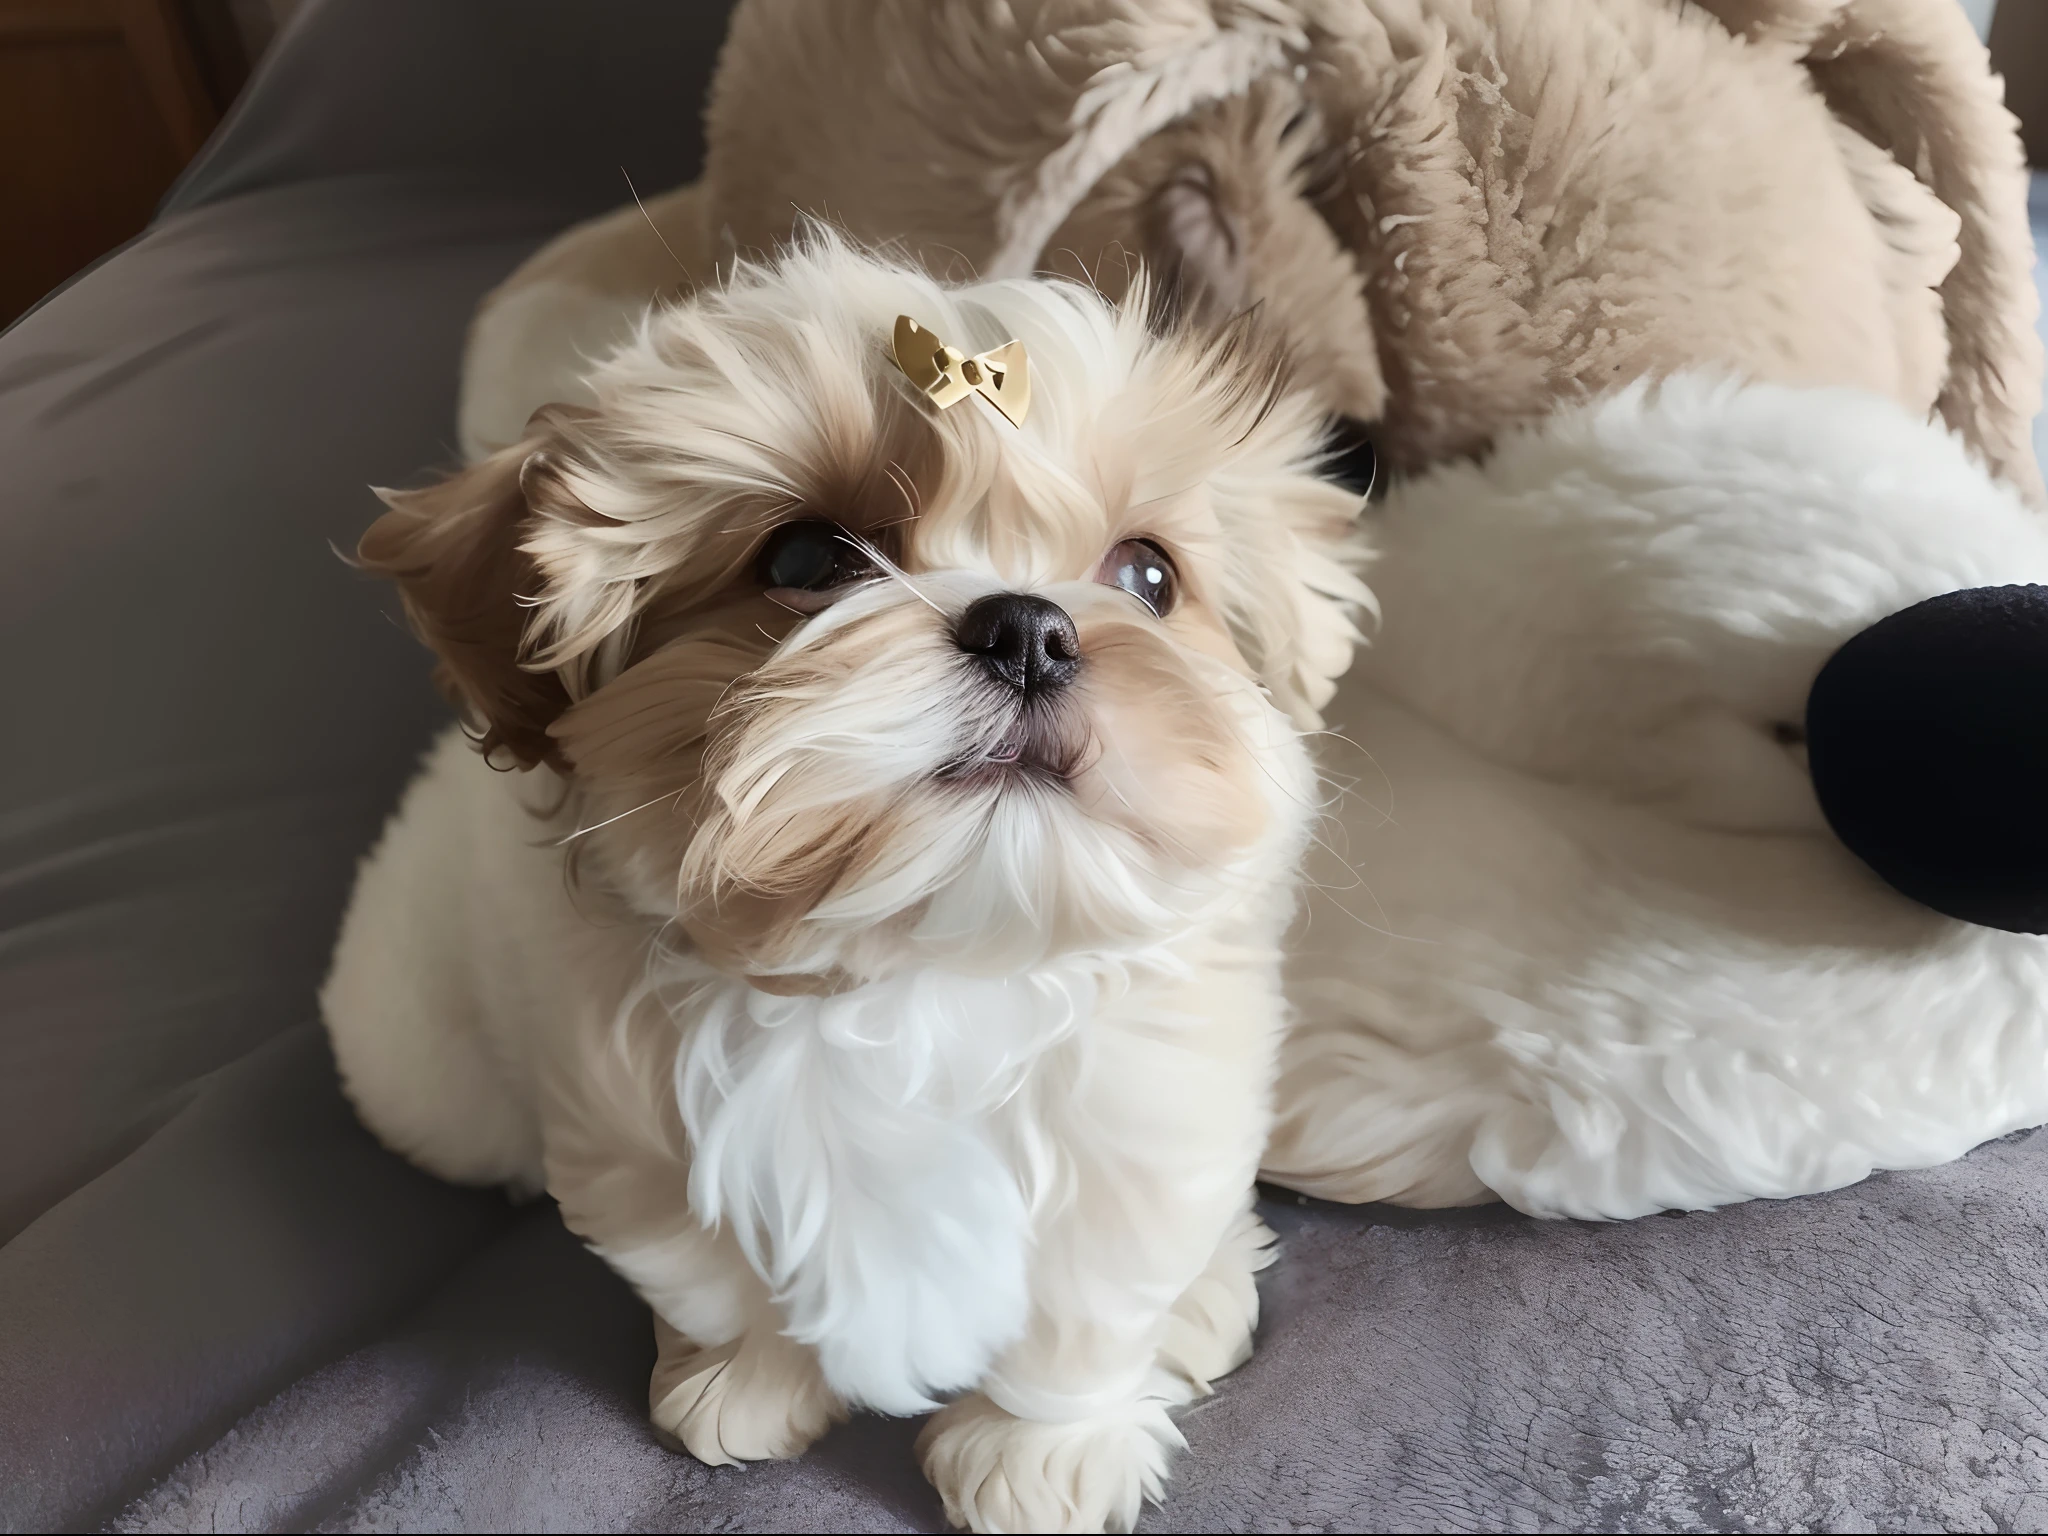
x=208 y=714
x=558 y=99
x=222 y=1307
x=1872 y=1359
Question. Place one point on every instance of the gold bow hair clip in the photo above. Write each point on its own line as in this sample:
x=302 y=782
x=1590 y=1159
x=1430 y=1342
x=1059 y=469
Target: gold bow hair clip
x=1002 y=377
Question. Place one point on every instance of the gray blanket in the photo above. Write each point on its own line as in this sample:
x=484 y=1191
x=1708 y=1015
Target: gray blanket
x=1873 y=1359
x=222 y=1307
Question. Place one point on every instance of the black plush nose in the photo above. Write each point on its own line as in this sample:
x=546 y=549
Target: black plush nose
x=1026 y=641
x=1928 y=738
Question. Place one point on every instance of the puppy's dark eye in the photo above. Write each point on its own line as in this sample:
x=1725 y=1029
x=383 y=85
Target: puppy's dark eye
x=1142 y=569
x=1352 y=462
x=811 y=556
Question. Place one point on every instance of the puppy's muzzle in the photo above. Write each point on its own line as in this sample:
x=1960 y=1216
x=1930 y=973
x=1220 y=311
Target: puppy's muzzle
x=1024 y=641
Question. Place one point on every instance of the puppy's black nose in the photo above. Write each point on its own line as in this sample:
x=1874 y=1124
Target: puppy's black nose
x=1928 y=738
x=1026 y=641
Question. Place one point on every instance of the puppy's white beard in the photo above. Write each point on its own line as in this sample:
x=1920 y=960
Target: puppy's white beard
x=1020 y=880
x=879 y=1156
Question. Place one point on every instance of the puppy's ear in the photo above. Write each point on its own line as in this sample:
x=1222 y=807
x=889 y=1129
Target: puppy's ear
x=454 y=550
x=1297 y=619
x=1291 y=588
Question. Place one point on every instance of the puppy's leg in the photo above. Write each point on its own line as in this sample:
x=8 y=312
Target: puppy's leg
x=757 y=1397
x=996 y=1471
x=1209 y=1332
x=1141 y=1284
x=1001 y=1471
x=727 y=1383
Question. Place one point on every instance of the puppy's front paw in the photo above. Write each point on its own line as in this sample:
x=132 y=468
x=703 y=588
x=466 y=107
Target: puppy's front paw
x=1209 y=1331
x=759 y=1398
x=997 y=1472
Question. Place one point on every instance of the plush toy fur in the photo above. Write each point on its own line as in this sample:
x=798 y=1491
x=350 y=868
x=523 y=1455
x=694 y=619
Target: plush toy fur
x=1581 y=937
x=1457 y=214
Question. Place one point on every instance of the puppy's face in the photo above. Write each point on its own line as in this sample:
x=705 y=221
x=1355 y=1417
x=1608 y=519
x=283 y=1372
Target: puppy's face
x=843 y=683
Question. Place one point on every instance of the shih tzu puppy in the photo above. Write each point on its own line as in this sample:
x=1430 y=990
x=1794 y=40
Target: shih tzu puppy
x=877 y=956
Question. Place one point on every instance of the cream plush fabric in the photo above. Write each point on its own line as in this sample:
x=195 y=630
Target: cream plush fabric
x=1458 y=213
x=1580 y=936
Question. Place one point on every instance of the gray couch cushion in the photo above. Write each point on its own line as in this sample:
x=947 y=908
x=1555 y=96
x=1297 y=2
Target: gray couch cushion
x=209 y=714
x=554 y=101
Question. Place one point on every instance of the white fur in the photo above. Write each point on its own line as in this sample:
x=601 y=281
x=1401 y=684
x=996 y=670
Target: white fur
x=1589 y=946
x=878 y=1160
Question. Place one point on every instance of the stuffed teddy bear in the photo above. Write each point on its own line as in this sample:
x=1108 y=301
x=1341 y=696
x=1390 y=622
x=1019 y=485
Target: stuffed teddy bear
x=1585 y=935
x=1456 y=214
x=1685 y=841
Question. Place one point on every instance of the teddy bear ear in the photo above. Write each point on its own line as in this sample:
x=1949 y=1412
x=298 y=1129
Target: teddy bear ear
x=1911 y=78
x=1228 y=221
x=1197 y=249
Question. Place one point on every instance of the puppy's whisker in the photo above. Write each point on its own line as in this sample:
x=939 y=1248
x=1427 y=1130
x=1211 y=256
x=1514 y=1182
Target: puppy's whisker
x=656 y=228
x=1163 y=496
x=906 y=487
x=1338 y=792
x=1359 y=883
x=1252 y=751
x=676 y=794
x=721 y=705
x=1386 y=812
x=890 y=569
x=1183 y=847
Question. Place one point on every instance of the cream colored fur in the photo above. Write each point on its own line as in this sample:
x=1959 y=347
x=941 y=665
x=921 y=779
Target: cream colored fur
x=886 y=1073
x=1580 y=937
x=570 y=305
x=1458 y=213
